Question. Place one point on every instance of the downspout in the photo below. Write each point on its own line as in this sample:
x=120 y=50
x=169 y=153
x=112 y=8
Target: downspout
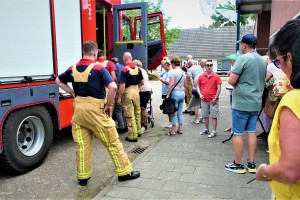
x=238 y=21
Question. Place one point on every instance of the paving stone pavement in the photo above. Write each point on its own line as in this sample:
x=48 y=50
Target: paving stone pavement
x=190 y=166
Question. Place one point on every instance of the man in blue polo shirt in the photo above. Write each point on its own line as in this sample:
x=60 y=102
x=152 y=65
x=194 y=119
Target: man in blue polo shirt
x=92 y=114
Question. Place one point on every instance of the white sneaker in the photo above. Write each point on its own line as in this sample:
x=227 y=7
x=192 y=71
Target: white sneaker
x=196 y=121
x=143 y=130
x=201 y=119
x=205 y=131
x=212 y=134
x=168 y=125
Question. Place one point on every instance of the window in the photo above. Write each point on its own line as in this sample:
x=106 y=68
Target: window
x=223 y=65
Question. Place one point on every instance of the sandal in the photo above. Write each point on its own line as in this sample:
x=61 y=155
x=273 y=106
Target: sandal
x=171 y=134
x=179 y=132
x=227 y=129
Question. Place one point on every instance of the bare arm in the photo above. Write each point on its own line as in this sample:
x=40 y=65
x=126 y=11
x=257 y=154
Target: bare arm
x=217 y=95
x=113 y=75
x=161 y=79
x=233 y=78
x=164 y=81
x=287 y=169
x=218 y=91
x=121 y=92
x=65 y=87
x=199 y=92
x=112 y=89
x=141 y=83
x=192 y=81
x=152 y=74
x=171 y=86
x=268 y=76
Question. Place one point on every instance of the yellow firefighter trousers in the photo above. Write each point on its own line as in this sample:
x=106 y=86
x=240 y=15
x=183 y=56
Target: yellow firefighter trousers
x=89 y=120
x=132 y=111
x=188 y=89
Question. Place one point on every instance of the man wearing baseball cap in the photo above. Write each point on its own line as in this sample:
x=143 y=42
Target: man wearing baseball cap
x=248 y=79
x=249 y=39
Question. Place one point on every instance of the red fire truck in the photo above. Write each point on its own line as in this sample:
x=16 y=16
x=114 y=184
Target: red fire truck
x=42 y=38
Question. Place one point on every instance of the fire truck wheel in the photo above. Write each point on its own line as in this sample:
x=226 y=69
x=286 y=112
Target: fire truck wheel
x=27 y=139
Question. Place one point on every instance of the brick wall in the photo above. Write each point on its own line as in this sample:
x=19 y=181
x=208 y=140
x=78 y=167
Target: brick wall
x=263 y=32
x=282 y=11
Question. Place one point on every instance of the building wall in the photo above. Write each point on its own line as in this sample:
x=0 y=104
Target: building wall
x=282 y=11
x=263 y=32
x=215 y=62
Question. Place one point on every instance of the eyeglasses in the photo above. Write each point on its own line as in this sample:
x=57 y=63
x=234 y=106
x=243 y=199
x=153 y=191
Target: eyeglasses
x=277 y=62
x=209 y=65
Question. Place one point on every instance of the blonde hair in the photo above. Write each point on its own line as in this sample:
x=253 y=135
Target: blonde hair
x=167 y=61
x=137 y=63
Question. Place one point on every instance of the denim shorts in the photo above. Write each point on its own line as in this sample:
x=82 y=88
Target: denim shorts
x=244 y=121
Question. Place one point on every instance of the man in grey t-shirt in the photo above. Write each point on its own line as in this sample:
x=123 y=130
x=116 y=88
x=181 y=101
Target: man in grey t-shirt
x=248 y=79
x=194 y=72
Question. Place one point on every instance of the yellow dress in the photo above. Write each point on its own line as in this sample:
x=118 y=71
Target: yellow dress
x=283 y=190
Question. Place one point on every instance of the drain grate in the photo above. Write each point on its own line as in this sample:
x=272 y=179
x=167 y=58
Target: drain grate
x=139 y=150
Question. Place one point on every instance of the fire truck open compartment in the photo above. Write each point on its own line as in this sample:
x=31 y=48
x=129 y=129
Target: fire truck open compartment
x=68 y=33
x=17 y=37
x=101 y=26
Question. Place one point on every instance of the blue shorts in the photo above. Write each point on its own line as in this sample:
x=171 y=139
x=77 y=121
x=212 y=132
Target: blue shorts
x=243 y=121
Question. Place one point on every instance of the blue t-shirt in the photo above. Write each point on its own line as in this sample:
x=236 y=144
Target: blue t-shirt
x=119 y=68
x=165 y=88
x=98 y=78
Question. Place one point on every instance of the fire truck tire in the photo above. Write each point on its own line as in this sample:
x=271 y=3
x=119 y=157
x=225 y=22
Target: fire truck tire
x=27 y=138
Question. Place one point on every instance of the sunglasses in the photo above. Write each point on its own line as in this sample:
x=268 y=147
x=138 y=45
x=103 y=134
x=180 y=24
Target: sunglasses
x=277 y=62
x=209 y=65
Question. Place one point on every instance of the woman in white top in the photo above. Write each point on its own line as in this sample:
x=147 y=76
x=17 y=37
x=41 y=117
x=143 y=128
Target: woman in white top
x=177 y=76
x=145 y=95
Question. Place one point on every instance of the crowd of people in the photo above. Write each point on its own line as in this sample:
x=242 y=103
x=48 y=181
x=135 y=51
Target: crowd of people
x=204 y=92
x=96 y=81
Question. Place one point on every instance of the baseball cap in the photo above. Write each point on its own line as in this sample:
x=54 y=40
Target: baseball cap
x=248 y=39
x=115 y=59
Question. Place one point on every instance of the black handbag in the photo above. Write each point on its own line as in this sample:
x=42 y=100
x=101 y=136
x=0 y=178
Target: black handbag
x=168 y=104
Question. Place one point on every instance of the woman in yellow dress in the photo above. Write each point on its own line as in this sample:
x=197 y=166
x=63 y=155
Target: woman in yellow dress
x=283 y=173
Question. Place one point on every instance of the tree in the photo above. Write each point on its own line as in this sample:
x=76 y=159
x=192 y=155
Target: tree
x=220 y=21
x=171 y=35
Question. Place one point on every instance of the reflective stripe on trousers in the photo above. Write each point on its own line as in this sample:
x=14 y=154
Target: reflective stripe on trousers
x=132 y=111
x=89 y=120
